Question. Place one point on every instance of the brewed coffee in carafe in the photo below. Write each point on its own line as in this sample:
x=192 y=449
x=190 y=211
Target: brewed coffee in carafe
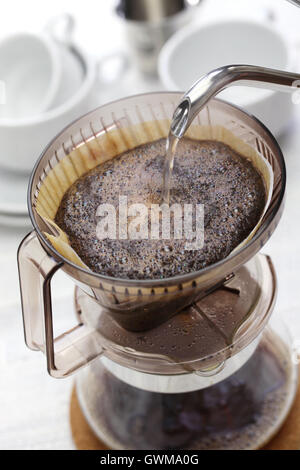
x=239 y=412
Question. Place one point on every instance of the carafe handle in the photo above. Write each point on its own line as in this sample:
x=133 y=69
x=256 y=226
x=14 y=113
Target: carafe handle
x=69 y=351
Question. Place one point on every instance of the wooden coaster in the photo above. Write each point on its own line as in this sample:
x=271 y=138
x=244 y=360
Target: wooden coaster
x=288 y=438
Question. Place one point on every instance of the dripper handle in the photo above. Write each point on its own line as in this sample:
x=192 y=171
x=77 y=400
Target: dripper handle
x=69 y=351
x=214 y=82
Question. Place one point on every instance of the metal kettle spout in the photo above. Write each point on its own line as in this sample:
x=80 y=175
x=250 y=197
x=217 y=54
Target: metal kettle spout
x=217 y=80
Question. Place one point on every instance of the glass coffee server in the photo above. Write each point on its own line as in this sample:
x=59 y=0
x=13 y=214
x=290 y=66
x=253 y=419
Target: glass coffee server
x=188 y=362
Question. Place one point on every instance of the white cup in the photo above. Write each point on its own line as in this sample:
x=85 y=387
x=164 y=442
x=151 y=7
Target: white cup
x=31 y=73
x=60 y=30
x=22 y=140
x=192 y=52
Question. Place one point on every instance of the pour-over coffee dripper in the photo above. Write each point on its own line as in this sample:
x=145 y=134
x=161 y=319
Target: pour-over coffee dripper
x=116 y=317
x=134 y=305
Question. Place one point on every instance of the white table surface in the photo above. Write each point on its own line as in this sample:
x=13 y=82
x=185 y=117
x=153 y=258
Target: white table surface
x=34 y=407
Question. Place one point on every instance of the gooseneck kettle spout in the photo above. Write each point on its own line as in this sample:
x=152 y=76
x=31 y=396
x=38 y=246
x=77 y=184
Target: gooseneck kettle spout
x=217 y=80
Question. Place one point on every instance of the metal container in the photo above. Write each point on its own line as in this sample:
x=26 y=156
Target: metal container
x=149 y=23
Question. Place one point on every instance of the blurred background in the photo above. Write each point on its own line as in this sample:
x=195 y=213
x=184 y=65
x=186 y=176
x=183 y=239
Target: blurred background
x=70 y=57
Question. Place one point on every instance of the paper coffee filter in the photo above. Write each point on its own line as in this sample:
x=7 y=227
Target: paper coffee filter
x=113 y=142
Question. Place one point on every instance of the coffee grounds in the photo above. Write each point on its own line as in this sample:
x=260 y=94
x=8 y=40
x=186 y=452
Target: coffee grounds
x=205 y=172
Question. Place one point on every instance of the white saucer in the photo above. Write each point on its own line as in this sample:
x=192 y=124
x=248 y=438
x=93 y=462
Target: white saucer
x=15 y=220
x=13 y=199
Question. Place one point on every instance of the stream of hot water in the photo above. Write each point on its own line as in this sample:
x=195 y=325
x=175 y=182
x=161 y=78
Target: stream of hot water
x=171 y=145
